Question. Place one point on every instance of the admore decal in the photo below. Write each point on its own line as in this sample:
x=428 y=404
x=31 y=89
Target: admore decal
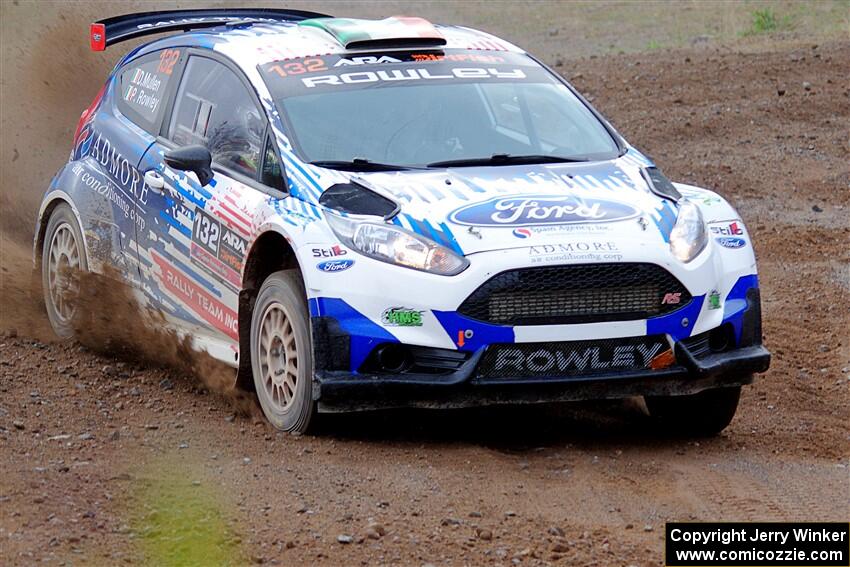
x=120 y=168
x=575 y=251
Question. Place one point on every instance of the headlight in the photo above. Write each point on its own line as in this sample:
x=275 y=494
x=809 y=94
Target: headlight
x=688 y=237
x=394 y=245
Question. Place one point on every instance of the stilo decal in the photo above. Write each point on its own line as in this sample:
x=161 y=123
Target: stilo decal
x=731 y=242
x=731 y=229
x=530 y=210
x=331 y=252
x=335 y=265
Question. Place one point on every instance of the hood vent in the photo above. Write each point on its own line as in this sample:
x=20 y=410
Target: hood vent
x=355 y=199
x=659 y=184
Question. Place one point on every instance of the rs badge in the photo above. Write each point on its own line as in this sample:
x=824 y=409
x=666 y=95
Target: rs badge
x=672 y=298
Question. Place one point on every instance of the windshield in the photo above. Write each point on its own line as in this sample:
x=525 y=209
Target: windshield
x=414 y=109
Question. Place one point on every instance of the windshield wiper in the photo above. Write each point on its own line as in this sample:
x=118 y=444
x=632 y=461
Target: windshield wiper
x=359 y=164
x=505 y=159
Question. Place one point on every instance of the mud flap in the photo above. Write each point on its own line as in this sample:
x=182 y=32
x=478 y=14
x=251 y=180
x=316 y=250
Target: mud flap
x=245 y=374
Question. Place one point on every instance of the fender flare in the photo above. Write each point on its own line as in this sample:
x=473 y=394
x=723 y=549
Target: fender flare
x=247 y=295
x=50 y=202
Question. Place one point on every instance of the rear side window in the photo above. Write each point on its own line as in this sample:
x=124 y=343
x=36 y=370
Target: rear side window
x=214 y=108
x=272 y=174
x=144 y=84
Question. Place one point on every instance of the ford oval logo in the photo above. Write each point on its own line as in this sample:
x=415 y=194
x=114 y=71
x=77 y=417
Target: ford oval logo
x=335 y=265
x=533 y=210
x=731 y=242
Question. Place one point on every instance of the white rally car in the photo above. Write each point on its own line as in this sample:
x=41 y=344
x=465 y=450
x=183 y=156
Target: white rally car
x=359 y=214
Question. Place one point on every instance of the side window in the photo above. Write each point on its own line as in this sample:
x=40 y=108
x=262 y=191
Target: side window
x=144 y=83
x=272 y=172
x=214 y=109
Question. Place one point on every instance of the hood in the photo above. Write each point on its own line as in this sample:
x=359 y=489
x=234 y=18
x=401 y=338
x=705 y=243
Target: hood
x=477 y=209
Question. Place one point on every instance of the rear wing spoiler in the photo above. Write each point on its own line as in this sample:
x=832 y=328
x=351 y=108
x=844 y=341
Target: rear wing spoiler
x=121 y=28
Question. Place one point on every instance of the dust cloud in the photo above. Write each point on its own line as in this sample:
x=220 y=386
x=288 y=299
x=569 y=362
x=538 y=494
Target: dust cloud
x=114 y=324
x=49 y=76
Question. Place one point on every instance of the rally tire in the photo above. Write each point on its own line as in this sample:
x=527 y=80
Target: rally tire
x=698 y=415
x=63 y=259
x=282 y=354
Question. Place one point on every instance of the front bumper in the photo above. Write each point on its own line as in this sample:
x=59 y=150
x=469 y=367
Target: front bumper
x=341 y=391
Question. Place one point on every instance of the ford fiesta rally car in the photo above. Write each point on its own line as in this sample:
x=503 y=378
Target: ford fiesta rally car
x=357 y=214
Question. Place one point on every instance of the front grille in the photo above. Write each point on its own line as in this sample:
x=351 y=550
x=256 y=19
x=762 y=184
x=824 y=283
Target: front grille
x=584 y=293
x=569 y=359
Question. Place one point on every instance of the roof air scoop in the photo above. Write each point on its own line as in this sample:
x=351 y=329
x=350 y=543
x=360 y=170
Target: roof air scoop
x=397 y=31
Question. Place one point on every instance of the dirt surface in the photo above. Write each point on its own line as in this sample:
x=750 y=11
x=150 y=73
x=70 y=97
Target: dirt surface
x=107 y=458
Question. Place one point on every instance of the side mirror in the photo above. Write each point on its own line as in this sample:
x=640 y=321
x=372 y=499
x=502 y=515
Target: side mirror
x=196 y=159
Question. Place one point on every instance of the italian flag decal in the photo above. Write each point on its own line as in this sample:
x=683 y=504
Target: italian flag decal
x=350 y=32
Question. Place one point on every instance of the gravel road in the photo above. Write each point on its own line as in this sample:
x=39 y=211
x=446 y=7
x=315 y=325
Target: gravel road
x=108 y=459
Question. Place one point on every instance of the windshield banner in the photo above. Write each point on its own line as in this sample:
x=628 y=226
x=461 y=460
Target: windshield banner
x=334 y=73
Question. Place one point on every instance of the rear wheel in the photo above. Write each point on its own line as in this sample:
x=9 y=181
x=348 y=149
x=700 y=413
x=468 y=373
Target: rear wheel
x=63 y=259
x=281 y=353
x=704 y=414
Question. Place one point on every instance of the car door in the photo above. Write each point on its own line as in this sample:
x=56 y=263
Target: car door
x=192 y=252
x=109 y=147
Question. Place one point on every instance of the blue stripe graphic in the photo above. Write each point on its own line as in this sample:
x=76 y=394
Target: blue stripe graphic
x=189 y=196
x=173 y=222
x=672 y=324
x=364 y=333
x=736 y=303
x=451 y=239
x=308 y=178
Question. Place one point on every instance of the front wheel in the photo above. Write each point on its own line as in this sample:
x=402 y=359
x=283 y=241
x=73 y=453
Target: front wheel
x=281 y=353
x=702 y=415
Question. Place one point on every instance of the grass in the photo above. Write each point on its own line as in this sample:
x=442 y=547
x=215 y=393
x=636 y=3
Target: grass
x=765 y=21
x=178 y=524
